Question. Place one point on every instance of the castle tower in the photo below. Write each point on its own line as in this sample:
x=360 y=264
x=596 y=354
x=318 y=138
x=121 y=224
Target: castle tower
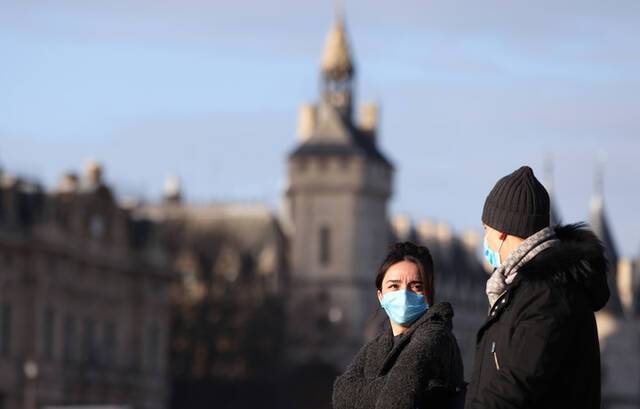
x=336 y=205
x=600 y=225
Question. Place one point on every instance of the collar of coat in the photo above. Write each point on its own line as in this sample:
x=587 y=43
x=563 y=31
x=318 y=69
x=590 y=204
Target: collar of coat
x=439 y=315
x=578 y=260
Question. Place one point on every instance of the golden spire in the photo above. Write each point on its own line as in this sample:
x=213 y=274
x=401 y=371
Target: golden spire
x=336 y=59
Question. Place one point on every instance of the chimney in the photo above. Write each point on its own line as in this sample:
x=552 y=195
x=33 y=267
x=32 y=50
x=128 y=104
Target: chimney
x=444 y=233
x=471 y=240
x=306 y=121
x=172 y=190
x=93 y=173
x=426 y=230
x=369 y=114
x=626 y=285
x=401 y=227
x=68 y=183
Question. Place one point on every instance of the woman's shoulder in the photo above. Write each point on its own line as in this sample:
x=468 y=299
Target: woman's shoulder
x=435 y=346
x=443 y=309
x=436 y=326
x=438 y=317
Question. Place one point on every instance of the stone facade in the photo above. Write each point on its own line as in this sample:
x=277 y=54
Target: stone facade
x=83 y=299
x=227 y=307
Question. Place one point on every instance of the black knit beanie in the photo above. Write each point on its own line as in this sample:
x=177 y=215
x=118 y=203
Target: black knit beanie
x=518 y=204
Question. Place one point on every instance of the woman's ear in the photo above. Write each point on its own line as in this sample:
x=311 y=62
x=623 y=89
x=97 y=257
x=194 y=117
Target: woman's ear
x=379 y=295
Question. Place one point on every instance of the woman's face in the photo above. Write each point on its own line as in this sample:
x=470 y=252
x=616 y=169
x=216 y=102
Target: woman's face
x=403 y=275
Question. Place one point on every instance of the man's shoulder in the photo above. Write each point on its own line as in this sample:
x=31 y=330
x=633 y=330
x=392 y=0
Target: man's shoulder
x=543 y=296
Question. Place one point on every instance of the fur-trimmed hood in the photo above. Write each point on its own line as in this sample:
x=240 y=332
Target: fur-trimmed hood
x=578 y=260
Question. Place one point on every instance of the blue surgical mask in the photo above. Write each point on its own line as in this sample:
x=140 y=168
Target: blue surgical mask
x=493 y=257
x=403 y=306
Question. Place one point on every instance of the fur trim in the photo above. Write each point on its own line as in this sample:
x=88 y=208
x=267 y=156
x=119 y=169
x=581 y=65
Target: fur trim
x=579 y=260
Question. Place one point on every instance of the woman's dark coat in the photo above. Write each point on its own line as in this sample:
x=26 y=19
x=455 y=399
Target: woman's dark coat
x=421 y=370
x=539 y=346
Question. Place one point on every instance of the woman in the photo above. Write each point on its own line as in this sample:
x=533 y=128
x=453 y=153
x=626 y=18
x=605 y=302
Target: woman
x=415 y=362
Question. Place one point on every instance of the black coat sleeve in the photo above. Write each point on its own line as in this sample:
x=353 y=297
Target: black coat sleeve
x=348 y=387
x=533 y=360
x=423 y=365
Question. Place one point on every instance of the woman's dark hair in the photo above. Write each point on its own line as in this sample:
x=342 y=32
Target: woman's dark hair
x=420 y=256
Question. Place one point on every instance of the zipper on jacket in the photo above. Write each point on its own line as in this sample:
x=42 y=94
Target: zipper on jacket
x=495 y=355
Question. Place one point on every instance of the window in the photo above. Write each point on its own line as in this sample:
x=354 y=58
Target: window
x=325 y=246
x=110 y=343
x=89 y=341
x=322 y=163
x=48 y=335
x=5 y=329
x=69 y=337
x=97 y=226
x=153 y=347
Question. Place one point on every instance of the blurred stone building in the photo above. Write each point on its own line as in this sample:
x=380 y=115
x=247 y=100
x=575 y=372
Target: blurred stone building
x=227 y=316
x=83 y=298
x=339 y=183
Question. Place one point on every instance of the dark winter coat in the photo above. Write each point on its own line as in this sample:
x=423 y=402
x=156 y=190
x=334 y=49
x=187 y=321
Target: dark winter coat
x=539 y=345
x=421 y=371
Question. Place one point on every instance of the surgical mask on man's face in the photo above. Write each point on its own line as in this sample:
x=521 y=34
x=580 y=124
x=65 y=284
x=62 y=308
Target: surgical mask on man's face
x=493 y=257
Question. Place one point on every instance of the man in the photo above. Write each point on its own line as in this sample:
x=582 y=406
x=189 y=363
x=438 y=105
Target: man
x=539 y=346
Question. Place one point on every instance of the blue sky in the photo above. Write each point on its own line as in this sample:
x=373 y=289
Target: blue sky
x=210 y=91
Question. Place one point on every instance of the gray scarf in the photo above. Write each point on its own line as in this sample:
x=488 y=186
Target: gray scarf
x=528 y=249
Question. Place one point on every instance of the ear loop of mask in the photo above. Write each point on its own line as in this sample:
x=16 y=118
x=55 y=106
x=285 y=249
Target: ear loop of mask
x=503 y=238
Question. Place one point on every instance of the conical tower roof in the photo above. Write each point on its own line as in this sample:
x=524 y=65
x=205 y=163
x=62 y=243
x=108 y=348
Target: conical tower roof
x=337 y=62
